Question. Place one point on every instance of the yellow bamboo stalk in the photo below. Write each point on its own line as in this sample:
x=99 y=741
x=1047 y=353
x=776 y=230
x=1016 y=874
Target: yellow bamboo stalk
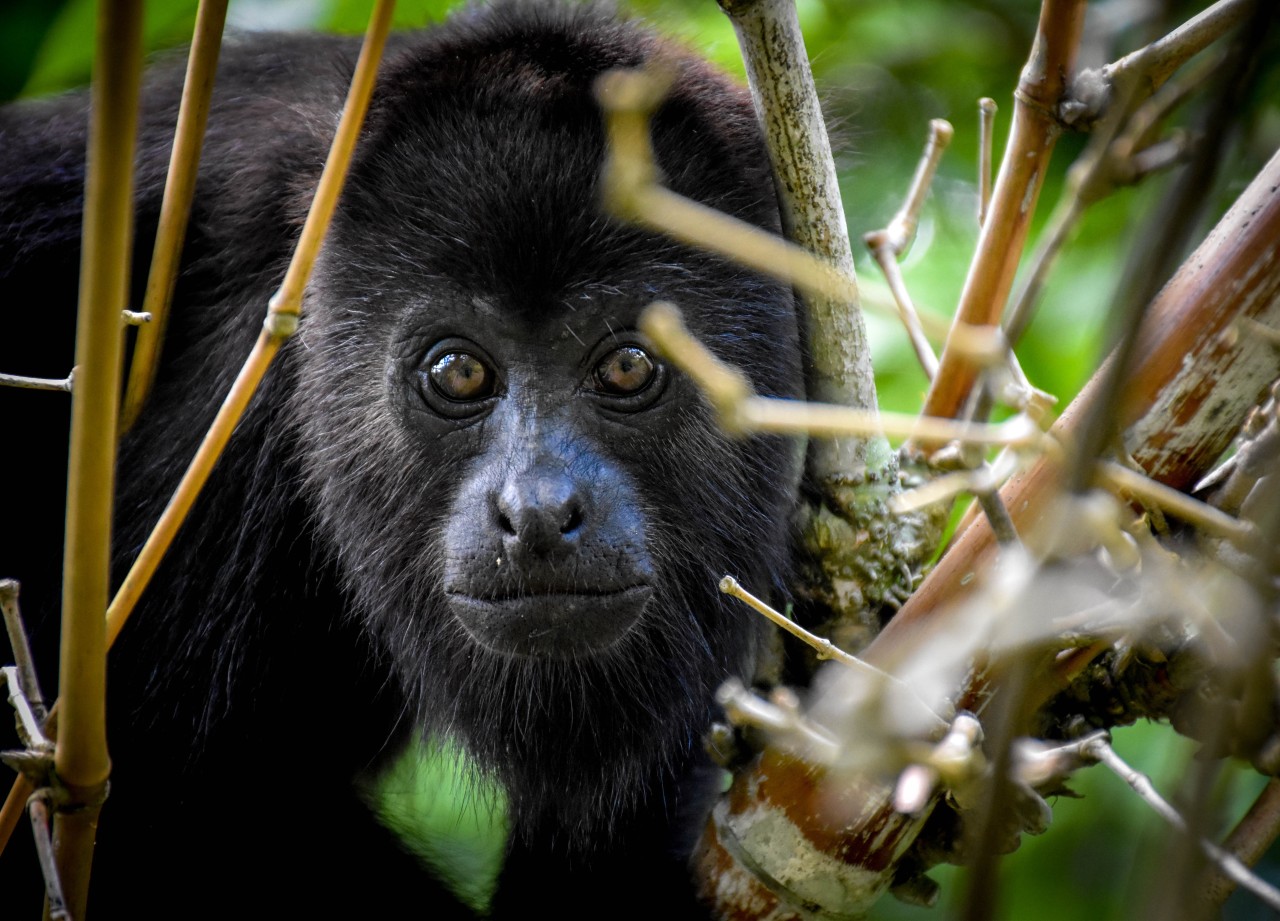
x=175 y=208
x=286 y=305
x=81 y=757
x=288 y=299
x=281 y=320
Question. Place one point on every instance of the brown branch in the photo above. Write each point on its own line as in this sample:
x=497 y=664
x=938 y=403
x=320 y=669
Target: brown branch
x=1142 y=72
x=1185 y=396
x=1032 y=136
x=1249 y=840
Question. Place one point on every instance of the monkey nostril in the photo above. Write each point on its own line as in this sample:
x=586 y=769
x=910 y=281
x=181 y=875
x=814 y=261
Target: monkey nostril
x=505 y=523
x=573 y=522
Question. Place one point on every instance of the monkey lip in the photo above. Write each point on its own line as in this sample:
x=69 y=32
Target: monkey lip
x=551 y=625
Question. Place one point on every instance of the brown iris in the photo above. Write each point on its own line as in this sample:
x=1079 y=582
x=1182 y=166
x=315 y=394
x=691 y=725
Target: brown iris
x=625 y=371
x=461 y=376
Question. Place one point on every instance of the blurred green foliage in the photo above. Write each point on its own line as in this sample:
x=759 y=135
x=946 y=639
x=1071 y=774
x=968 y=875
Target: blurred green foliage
x=884 y=69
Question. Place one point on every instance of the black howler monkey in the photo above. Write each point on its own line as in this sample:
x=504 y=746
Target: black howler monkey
x=470 y=501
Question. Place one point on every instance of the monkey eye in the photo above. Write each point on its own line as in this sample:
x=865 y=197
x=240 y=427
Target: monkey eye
x=625 y=371
x=461 y=377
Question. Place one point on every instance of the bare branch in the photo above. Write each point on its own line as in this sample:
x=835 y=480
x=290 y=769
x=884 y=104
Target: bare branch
x=1033 y=135
x=742 y=411
x=1249 y=840
x=888 y=244
x=1144 y=71
x=26 y=667
x=786 y=100
x=38 y=383
x=1185 y=399
x=986 y=129
x=1227 y=863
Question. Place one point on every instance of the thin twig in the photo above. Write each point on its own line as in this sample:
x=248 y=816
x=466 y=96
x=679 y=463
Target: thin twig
x=1228 y=863
x=38 y=809
x=888 y=244
x=901 y=230
x=1178 y=504
x=986 y=130
x=21 y=648
x=826 y=649
x=30 y=725
x=38 y=383
x=741 y=411
x=907 y=312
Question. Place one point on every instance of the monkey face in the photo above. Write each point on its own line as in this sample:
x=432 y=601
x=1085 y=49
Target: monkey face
x=545 y=543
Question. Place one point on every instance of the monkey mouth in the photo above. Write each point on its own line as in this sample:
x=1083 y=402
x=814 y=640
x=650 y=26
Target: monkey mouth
x=551 y=625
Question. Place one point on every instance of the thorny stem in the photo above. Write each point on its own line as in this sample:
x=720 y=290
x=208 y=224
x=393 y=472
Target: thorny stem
x=1228 y=863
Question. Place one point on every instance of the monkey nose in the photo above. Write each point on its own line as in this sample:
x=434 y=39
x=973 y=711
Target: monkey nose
x=540 y=513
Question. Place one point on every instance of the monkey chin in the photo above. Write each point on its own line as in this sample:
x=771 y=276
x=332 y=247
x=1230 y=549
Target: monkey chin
x=551 y=625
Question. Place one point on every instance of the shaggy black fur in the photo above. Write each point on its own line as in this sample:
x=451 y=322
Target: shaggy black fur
x=362 y=562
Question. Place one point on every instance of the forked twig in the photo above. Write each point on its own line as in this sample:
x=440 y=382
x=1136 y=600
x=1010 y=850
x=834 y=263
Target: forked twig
x=888 y=244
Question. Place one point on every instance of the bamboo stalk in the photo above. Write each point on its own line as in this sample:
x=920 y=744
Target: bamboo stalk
x=175 y=208
x=280 y=323
x=81 y=757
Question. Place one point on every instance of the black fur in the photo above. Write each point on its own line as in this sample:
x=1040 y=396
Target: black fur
x=320 y=606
